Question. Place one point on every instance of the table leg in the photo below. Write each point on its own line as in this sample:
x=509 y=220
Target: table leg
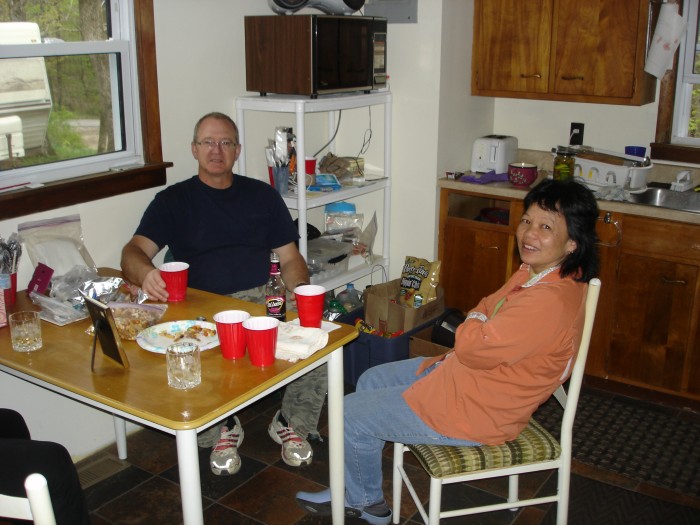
x=120 y=435
x=335 y=436
x=190 y=486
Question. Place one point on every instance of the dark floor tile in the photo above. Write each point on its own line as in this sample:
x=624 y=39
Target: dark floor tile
x=151 y=450
x=114 y=486
x=156 y=501
x=269 y=497
x=218 y=515
x=214 y=486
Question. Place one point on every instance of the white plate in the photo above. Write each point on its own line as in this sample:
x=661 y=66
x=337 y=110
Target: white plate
x=157 y=338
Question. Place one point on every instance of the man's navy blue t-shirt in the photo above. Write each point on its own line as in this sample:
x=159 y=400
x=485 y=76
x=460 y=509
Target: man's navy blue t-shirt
x=225 y=235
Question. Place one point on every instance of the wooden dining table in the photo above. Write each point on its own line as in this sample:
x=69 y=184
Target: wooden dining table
x=140 y=393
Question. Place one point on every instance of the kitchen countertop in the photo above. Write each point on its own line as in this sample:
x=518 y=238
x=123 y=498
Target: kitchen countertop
x=506 y=189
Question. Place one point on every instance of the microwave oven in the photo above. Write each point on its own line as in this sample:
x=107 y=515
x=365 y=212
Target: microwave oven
x=315 y=54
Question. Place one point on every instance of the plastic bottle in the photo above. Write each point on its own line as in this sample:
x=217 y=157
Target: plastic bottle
x=350 y=298
x=275 y=293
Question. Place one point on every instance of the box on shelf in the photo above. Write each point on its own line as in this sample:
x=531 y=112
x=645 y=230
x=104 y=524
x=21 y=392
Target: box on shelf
x=421 y=345
x=370 y=350
x=380 y=310
x=327 y=258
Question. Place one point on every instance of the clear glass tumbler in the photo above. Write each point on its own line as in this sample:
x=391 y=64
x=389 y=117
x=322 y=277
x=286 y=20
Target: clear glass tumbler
x=184 y=365
x=25 y=331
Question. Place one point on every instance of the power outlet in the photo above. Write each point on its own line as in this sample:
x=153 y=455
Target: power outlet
x=576 y=134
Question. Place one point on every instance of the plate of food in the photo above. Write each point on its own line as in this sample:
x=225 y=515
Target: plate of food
x=157 y=338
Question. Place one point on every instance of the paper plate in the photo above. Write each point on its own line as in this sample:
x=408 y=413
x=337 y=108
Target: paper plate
x=158 y=337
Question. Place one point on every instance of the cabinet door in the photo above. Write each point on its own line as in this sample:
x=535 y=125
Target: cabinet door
x=512 y=45
x=651 y=328
x=594 y=47
x=475 y=262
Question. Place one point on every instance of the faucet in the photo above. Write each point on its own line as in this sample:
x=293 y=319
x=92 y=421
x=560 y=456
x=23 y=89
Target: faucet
x=607 y=177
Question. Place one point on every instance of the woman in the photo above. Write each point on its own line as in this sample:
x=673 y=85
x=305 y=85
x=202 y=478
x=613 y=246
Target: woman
x=511 y=353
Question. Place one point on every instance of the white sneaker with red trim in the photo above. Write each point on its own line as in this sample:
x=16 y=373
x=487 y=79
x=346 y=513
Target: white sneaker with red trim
x=224 y=459
x=296 y=451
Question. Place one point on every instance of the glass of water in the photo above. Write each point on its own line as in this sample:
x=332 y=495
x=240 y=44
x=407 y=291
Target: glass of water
x=184 y=365
x=25 y=331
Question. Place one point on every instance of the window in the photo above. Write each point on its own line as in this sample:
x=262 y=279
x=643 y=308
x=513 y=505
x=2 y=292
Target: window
x=678 y=119
x=686 y=111
x=78 y=101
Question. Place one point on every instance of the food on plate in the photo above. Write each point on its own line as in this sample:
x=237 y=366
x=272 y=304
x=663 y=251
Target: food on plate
x=193 y=332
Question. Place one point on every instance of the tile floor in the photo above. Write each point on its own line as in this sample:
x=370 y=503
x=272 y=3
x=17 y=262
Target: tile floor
x=146 y=491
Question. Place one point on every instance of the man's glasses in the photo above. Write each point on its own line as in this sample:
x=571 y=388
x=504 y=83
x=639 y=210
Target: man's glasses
x=225 y=145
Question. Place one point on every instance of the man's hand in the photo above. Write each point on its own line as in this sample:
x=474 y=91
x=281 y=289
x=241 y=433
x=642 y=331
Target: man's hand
x=154 y=286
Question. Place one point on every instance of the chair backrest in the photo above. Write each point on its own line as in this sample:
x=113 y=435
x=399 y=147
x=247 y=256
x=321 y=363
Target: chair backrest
x=35 y=507
x=569 y=399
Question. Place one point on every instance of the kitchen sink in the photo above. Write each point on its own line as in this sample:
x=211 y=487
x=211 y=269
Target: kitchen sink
x=675 y=200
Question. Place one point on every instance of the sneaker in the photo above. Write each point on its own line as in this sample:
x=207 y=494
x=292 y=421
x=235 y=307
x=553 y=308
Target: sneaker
x=296 y=451
x=319 y=503
x=224 y=459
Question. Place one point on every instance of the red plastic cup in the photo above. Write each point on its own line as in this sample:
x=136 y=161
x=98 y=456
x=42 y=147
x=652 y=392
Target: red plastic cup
x=261 y=339
x=11 y=292
x=175 y=276
x=310 y=304
x=229 y=328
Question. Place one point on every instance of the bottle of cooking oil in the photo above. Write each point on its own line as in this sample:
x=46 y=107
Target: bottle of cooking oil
x=564 y=164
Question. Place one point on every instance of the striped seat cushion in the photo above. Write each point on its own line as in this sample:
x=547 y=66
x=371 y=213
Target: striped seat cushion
x=533 y=444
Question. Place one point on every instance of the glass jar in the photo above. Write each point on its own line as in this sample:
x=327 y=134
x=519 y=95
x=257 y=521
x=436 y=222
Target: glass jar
x=564 y=164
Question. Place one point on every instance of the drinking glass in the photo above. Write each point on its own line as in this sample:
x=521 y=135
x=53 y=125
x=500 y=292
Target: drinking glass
x=184 y=365
x=25 y=331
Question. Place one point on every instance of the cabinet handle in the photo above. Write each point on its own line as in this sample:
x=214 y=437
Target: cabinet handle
x=666 y=280
x=534 y=75
x=608 y=219
x=484 y=247
x=572 y=77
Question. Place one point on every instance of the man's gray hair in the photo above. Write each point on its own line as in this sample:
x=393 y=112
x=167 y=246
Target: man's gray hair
x=219 y=116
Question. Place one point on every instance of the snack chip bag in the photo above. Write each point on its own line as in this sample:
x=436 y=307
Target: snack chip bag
x=419 y=282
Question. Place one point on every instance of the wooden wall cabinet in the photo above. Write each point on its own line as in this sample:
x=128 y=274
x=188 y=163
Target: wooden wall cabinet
x=647 y=327
x=566 y=50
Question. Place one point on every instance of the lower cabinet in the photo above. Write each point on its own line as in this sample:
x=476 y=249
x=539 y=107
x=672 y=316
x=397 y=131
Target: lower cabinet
x=649 y=344
x=475 y=263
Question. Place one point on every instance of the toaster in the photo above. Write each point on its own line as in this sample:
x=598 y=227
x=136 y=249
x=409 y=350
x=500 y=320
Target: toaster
x=494 y=152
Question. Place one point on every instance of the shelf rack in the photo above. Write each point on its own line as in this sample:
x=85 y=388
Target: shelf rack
x=302 y=201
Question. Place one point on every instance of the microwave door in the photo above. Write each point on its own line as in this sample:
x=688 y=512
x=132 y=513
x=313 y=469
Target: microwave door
x=354 y=54
x=327 y=73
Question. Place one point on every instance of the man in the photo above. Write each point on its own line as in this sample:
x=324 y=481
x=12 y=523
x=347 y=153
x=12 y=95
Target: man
x=225 y=226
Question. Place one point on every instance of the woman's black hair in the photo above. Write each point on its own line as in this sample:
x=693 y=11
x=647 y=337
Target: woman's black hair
x=575 y=202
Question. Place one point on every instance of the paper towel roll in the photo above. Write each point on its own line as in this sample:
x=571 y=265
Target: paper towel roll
x=669 y=30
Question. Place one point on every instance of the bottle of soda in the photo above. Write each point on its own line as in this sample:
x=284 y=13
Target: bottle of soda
x=275 y=293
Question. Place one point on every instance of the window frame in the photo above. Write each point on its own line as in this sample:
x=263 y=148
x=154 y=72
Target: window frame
x=663 y=148
x=95 y=186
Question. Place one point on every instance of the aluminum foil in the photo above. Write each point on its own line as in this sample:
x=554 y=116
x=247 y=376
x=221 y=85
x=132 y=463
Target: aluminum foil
x=111 y=289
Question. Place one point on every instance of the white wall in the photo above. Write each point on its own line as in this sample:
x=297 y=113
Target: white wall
x=200 y=55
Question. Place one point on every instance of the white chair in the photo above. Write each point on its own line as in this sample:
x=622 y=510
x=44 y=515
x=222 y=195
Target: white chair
x=533 y=450
x=36 y=506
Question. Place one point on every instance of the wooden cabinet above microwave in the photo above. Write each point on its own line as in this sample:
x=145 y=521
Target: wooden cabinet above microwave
x=567 y=50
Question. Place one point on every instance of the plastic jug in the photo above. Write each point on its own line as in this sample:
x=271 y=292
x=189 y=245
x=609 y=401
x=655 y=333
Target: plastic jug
x=350 y=298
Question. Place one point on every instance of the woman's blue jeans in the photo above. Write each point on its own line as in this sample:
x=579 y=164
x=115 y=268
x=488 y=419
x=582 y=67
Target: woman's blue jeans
x=374 y=414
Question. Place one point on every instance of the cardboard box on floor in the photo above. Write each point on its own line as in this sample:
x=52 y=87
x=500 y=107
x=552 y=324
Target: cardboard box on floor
x=420 y=345
x=380 y=311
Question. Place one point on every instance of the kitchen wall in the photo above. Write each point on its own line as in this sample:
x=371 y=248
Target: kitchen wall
x=201 y=68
